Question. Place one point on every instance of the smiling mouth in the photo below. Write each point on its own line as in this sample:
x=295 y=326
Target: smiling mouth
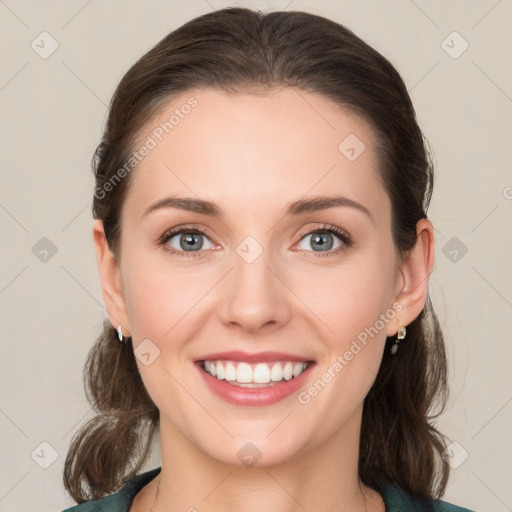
x=255 y=375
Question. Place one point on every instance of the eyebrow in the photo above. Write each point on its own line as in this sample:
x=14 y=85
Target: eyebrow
x=297 y=207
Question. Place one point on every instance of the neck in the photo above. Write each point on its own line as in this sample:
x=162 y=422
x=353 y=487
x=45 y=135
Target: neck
x=323 y=477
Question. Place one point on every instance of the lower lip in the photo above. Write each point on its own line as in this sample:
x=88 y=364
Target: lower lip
x=254 y=396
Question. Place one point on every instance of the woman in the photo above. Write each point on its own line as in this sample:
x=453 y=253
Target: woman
x=264 y=255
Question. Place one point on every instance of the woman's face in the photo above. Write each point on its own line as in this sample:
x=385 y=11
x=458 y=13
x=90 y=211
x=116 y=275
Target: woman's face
x=264 y=276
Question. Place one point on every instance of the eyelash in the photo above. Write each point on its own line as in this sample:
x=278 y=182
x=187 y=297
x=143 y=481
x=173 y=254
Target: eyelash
x=320 y=229
x=326 y=228
x=177 y=231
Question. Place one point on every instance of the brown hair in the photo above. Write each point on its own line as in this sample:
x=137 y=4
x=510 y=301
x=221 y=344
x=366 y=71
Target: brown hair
x=240 y=50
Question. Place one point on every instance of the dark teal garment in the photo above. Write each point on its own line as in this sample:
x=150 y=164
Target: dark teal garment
x=394 y=498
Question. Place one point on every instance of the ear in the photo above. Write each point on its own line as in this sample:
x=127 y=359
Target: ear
x=415 y=271
x=110 y=277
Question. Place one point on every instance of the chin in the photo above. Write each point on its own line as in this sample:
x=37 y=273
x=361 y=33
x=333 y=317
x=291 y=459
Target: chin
x=256 y=453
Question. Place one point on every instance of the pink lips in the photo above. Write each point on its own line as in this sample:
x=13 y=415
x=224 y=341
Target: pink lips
x=253 y=396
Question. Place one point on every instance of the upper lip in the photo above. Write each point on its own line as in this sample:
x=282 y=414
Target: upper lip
x=264 y=357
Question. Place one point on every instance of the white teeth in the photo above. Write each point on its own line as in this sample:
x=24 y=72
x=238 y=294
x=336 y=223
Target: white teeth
x=288 y=371
x=298 y=368
x=243 y=373
x=276 y=373
x=261 y=373
x=230 y=373
x=220 y=371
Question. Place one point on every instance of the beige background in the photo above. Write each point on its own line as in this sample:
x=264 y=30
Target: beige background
x=53 y=110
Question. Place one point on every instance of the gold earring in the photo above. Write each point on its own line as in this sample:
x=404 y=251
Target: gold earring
x=400 y=335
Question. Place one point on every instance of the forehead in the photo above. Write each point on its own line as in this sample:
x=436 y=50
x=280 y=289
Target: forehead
x=254 y=149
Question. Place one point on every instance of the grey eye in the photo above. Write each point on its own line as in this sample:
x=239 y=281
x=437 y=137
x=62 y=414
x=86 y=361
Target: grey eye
x=189 y=241
x=320 y=241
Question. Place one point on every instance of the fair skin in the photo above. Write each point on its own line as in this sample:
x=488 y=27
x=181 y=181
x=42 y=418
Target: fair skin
x=252 y=154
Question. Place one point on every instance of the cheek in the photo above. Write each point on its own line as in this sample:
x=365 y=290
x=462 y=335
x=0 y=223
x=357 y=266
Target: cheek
x=158 y=297
x=346 y=299
x=352 y=304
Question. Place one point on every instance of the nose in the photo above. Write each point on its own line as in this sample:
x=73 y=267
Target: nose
x=254 y=296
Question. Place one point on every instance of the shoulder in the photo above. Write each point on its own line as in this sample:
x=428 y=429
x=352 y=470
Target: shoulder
x=110 y=503
x=397 y=500
x=119 y=501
